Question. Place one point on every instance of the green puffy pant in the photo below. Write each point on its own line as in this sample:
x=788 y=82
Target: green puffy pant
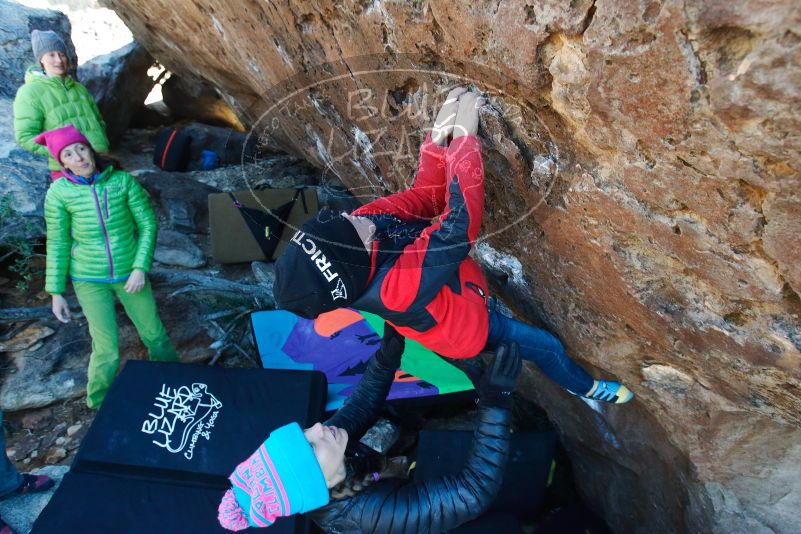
x=97 y=303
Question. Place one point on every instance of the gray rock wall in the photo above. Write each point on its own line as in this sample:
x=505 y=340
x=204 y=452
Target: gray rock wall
x=120 y=84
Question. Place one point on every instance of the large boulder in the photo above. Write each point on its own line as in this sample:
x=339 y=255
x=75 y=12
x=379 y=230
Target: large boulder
x=24 y=179
x=191 y=98
x=119 y=83
x=50 y=371
x=642 y=165
x=180 y=203
x=178 y=249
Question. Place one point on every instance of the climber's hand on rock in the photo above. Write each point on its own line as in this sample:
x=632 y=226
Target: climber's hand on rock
x=467 y=115
x=135 y=282
x=61 y=309
x=443 y=124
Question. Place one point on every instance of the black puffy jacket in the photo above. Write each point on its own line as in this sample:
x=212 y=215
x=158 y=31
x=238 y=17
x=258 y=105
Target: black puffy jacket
x=395 y=506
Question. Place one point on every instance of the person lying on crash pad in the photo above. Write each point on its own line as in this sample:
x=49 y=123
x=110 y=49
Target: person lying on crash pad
x=299 y=471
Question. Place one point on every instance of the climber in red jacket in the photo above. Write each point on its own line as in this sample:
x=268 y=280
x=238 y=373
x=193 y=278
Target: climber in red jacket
x=389 y=258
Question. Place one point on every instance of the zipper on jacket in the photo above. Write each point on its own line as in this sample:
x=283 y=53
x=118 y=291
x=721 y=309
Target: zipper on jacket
x=105 y=201
x=105 y=233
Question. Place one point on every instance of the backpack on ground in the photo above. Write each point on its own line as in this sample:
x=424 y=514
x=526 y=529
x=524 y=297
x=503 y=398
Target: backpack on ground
x=172 y=150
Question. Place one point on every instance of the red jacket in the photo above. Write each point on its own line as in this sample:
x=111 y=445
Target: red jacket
x=423 y=281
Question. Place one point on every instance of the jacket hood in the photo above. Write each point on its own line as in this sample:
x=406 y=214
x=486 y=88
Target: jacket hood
x=35 y=74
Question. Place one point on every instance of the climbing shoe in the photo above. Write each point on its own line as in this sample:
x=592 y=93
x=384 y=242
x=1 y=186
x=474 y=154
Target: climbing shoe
x=608 y=391
x=5 y=528
x=31 y=484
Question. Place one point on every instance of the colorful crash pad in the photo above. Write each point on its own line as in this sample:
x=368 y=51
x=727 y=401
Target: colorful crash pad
x=339 y=344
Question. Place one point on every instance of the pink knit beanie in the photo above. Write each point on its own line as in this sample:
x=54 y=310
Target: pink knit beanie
x=56 y=140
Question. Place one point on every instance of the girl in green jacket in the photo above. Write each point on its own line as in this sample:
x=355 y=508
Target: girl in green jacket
x=51 y=98
x=101 y=231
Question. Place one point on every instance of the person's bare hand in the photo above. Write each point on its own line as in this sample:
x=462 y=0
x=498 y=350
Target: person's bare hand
x=467 y=115
x=443 y=124
x=61 y=309
x=136 y=281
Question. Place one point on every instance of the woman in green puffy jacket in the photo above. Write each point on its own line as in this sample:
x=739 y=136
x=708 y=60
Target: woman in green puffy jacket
x=51 y=98
x=101 y=232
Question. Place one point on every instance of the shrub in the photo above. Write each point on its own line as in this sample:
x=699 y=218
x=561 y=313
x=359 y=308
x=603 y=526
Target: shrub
x=16 y=244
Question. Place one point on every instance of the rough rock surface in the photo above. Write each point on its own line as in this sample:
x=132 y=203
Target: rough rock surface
x=176 y=248
x=23 y=182
x=189 y=97
x=120 y=84
x=26 y=338
x=643 y=169
x=48 y=372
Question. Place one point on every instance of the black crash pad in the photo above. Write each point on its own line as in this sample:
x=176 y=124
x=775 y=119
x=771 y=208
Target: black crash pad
x=88 y=503
x=172 y=433
x=196 y=422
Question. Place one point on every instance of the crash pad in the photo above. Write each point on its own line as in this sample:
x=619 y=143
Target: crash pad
x=339 y=343
x=165 y=440
x=232 y=232
x=89 y=503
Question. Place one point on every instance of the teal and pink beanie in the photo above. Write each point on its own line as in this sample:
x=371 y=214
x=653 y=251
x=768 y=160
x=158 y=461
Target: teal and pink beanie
x=281 y=478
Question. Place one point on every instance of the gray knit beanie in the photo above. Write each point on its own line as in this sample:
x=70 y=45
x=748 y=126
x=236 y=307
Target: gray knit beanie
x=46 y=41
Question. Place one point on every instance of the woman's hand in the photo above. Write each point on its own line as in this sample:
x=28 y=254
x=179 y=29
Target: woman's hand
x=467 y=115
x=135 y=282
x=61 y=309
x=443 y=124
